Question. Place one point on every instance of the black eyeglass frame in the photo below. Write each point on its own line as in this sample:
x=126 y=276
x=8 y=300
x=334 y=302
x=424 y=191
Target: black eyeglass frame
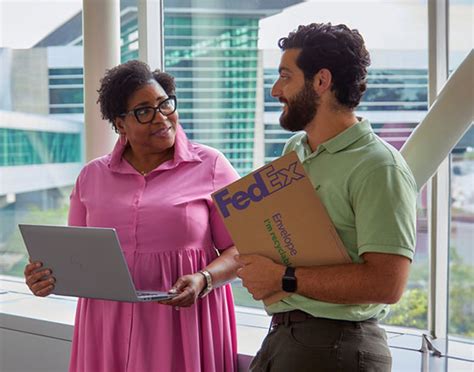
x=171 y=97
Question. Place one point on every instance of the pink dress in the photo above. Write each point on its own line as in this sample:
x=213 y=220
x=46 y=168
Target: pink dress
x=168 y=227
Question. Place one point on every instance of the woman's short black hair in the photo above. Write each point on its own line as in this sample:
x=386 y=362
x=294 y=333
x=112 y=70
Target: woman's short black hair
x=336 y=48
x=120 y=82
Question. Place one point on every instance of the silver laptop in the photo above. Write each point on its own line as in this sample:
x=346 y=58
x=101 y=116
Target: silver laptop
x=86 y=262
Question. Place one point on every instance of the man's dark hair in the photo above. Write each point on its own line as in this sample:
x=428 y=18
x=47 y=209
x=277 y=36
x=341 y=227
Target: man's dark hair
x=120 y=82
x=336 y=48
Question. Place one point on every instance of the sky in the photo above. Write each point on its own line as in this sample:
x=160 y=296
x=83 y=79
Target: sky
x=25 y=22
x=384 y=24
x=371 y=18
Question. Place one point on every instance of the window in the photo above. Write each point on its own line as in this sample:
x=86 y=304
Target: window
x=66 y=92
x=461 y=258
x=41 y=121
x=128 y=30
x=213 y=55
x=27 y=147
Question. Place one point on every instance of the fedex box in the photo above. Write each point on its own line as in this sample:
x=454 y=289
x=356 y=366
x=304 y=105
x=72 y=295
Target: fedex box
x=276 y=212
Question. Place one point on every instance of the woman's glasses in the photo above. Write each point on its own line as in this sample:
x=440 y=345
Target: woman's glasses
x=146 y=115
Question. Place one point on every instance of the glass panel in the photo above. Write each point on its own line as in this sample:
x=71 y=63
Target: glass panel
x=461 y=258
x=41 y=120
x=213 y=55
x=128 y=30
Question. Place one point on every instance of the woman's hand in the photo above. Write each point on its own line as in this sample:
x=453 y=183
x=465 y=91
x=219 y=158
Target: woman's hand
x=40 y=281
x=188 y=288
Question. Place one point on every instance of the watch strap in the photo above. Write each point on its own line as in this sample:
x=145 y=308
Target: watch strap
x=288 y=282
x=290 y=272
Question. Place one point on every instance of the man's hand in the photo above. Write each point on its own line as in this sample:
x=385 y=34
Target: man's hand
x=260 y=275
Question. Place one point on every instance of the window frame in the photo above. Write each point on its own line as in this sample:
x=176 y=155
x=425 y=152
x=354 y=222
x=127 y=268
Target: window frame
x=438 y=186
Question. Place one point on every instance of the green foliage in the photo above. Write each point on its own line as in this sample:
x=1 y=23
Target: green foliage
x=461 y=290
x=411 y=310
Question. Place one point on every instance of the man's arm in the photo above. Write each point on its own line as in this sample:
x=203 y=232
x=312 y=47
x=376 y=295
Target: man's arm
x=381 y=278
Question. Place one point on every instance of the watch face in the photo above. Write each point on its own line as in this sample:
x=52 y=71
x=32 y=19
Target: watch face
x=289 y=284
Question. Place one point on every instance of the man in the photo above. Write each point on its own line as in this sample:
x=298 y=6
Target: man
x=330 y=321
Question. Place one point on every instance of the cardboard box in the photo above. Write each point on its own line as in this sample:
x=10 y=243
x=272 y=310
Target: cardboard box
x=275 y=212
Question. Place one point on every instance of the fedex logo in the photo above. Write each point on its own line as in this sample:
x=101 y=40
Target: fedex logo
x=267 y=181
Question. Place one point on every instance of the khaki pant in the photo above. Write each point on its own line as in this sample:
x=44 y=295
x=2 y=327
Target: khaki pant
x=318 y=344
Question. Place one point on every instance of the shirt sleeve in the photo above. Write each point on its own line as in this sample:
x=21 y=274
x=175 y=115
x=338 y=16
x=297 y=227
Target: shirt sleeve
x=77 y=210
x=224 y=174
x=384 y=205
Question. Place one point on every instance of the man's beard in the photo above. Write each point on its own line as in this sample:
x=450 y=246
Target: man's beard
x=300 y=109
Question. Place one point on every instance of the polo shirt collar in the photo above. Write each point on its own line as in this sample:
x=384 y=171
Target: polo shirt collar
x=183 y=152
x=337 y=143
x=348 y=136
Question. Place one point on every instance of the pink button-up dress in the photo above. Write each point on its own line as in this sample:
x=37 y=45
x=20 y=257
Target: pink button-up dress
x=168 y=227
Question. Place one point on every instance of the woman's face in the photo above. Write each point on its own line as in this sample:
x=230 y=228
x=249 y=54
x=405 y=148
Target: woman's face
x=156 y=136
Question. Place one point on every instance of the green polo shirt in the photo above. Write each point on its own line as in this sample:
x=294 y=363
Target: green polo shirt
x=370 y=195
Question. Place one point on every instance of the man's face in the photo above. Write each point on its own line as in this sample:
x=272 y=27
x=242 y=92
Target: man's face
x=297 y=95
x=301 y=109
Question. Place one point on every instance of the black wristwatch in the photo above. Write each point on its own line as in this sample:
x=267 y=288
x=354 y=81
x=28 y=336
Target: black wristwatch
x=288 y=282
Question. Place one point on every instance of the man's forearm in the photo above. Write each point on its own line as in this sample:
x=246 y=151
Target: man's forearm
x=380 y=279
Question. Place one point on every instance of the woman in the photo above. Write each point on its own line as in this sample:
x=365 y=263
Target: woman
x=154 y=189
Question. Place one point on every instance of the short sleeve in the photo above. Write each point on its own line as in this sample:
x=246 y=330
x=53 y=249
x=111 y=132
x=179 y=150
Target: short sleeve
x=77 y=210
x=224 y=174
x=384 y=205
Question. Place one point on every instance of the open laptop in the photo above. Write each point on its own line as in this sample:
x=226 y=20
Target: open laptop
x=86 y=262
